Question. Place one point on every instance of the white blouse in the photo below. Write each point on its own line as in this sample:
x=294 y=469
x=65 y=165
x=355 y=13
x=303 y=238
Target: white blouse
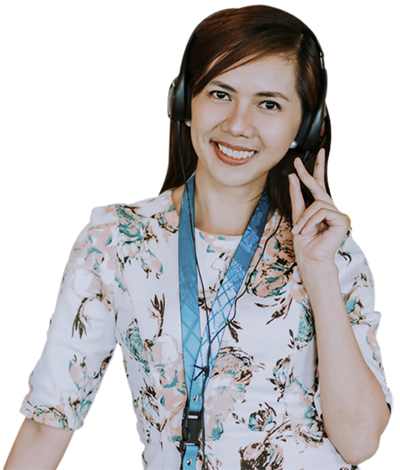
x=262 y=404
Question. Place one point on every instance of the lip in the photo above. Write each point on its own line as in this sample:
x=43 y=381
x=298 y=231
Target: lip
x=234 y=147
x=229 y=160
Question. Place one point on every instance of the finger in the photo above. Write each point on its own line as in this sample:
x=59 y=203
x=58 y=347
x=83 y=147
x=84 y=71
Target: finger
x=296 y=197
x=319 y=168
x=318 y=191
x=331 y=218
x=308 y=214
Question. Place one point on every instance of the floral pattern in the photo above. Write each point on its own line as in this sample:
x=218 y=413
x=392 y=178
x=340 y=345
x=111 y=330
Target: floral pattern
x=262 y=403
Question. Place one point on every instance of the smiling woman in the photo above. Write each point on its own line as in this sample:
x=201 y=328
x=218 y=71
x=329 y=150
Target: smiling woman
x=246 y=133
x=226 y=41
x=243 y=307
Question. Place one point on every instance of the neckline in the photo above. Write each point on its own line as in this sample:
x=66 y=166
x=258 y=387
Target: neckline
x=271 y=219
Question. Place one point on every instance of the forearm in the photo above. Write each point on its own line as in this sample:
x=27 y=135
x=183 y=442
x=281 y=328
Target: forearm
x=38 y=447
x=354 y=408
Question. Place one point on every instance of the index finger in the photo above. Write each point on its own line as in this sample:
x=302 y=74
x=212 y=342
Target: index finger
x=296 y=198
x=317 y=190
x=319 y=168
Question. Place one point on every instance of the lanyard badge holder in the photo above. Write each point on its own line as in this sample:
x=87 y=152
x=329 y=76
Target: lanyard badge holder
x=200 y=352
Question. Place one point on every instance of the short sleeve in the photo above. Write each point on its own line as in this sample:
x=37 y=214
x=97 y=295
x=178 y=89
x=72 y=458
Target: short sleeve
x=358 y=290
x=81 y=337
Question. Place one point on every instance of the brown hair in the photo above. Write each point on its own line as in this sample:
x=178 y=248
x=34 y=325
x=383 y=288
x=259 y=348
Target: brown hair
x=230 y=38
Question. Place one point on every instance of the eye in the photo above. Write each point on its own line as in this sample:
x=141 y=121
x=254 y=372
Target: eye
x=271 y=105
x=219 y=95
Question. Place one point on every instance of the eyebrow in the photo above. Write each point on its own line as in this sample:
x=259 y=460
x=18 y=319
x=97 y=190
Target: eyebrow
x=263 y=94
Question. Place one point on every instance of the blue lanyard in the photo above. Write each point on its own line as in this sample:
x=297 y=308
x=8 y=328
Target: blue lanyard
x=200 y=353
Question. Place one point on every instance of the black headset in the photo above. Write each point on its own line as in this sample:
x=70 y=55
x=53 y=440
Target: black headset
x=310 y=137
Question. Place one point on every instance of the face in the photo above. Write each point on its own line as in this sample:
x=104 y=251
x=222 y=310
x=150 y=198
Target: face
x=243 y=123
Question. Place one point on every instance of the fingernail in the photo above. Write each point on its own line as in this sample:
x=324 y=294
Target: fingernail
x=295 y=229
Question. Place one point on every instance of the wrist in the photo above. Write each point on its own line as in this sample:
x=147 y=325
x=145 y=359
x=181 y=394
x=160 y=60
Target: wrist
x=319 y=272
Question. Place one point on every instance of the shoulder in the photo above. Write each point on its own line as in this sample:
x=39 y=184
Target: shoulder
x=120 y=214
x=116 y=216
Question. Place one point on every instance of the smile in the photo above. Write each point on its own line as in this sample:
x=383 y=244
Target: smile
x=236 y=154
x=232 y=157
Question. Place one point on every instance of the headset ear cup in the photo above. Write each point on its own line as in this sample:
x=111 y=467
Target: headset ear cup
x=177 y=101
x=180 y=92
x=302 y=134
x=188 y=108
x=313 y=142
x=171 y=100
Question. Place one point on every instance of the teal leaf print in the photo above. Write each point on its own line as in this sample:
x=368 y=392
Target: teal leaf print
x=306 y=324
x=259 y=420
x=306 y=425
x=134 y=343
x=283 y=375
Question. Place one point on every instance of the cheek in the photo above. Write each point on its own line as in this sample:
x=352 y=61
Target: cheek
x=289 y=130
x=279 y=135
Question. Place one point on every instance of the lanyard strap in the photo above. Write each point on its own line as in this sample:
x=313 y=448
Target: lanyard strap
x=200 y=353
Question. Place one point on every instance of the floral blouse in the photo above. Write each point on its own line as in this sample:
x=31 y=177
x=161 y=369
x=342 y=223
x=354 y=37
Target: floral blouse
x=262 y=403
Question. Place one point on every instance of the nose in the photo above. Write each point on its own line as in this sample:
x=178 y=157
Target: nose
x=238 y=121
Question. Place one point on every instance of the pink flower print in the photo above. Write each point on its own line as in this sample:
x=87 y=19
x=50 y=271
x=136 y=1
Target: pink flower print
x=306 y=424
x=275 y=270
x=50 y=415
x=86 y=386
x=166 y=362
x=78 y=372
x=166 y=368
x=218 y=244
x=374 y=345
x=354 y=307
x=130 y=250
x=151 y=264
x=232 y=373
x=261 y=456
x=168 y=222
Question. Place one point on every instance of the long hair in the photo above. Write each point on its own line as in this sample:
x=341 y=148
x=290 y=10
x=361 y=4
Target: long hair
x=231 y=38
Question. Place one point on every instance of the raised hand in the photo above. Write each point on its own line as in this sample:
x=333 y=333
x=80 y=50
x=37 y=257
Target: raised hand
x=319 y=229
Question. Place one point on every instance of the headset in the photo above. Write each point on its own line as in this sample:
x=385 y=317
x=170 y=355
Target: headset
x=311 y=135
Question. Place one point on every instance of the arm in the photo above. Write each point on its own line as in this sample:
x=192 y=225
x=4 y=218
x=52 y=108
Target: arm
x=353 y=402
x=38 y=446
x=354 y=408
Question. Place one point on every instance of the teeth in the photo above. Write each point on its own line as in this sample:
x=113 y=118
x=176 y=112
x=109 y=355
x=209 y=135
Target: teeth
x=235 y=153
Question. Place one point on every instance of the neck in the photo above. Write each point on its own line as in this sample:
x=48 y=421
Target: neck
x=220 y=210
x=223 y=212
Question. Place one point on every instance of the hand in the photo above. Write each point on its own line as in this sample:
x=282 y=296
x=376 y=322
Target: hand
x=319 y=229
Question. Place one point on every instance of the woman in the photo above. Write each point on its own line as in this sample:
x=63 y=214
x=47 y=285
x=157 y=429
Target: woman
x=290 y=377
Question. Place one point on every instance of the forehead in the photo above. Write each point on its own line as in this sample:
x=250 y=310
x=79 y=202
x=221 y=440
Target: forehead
x=272 y=73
